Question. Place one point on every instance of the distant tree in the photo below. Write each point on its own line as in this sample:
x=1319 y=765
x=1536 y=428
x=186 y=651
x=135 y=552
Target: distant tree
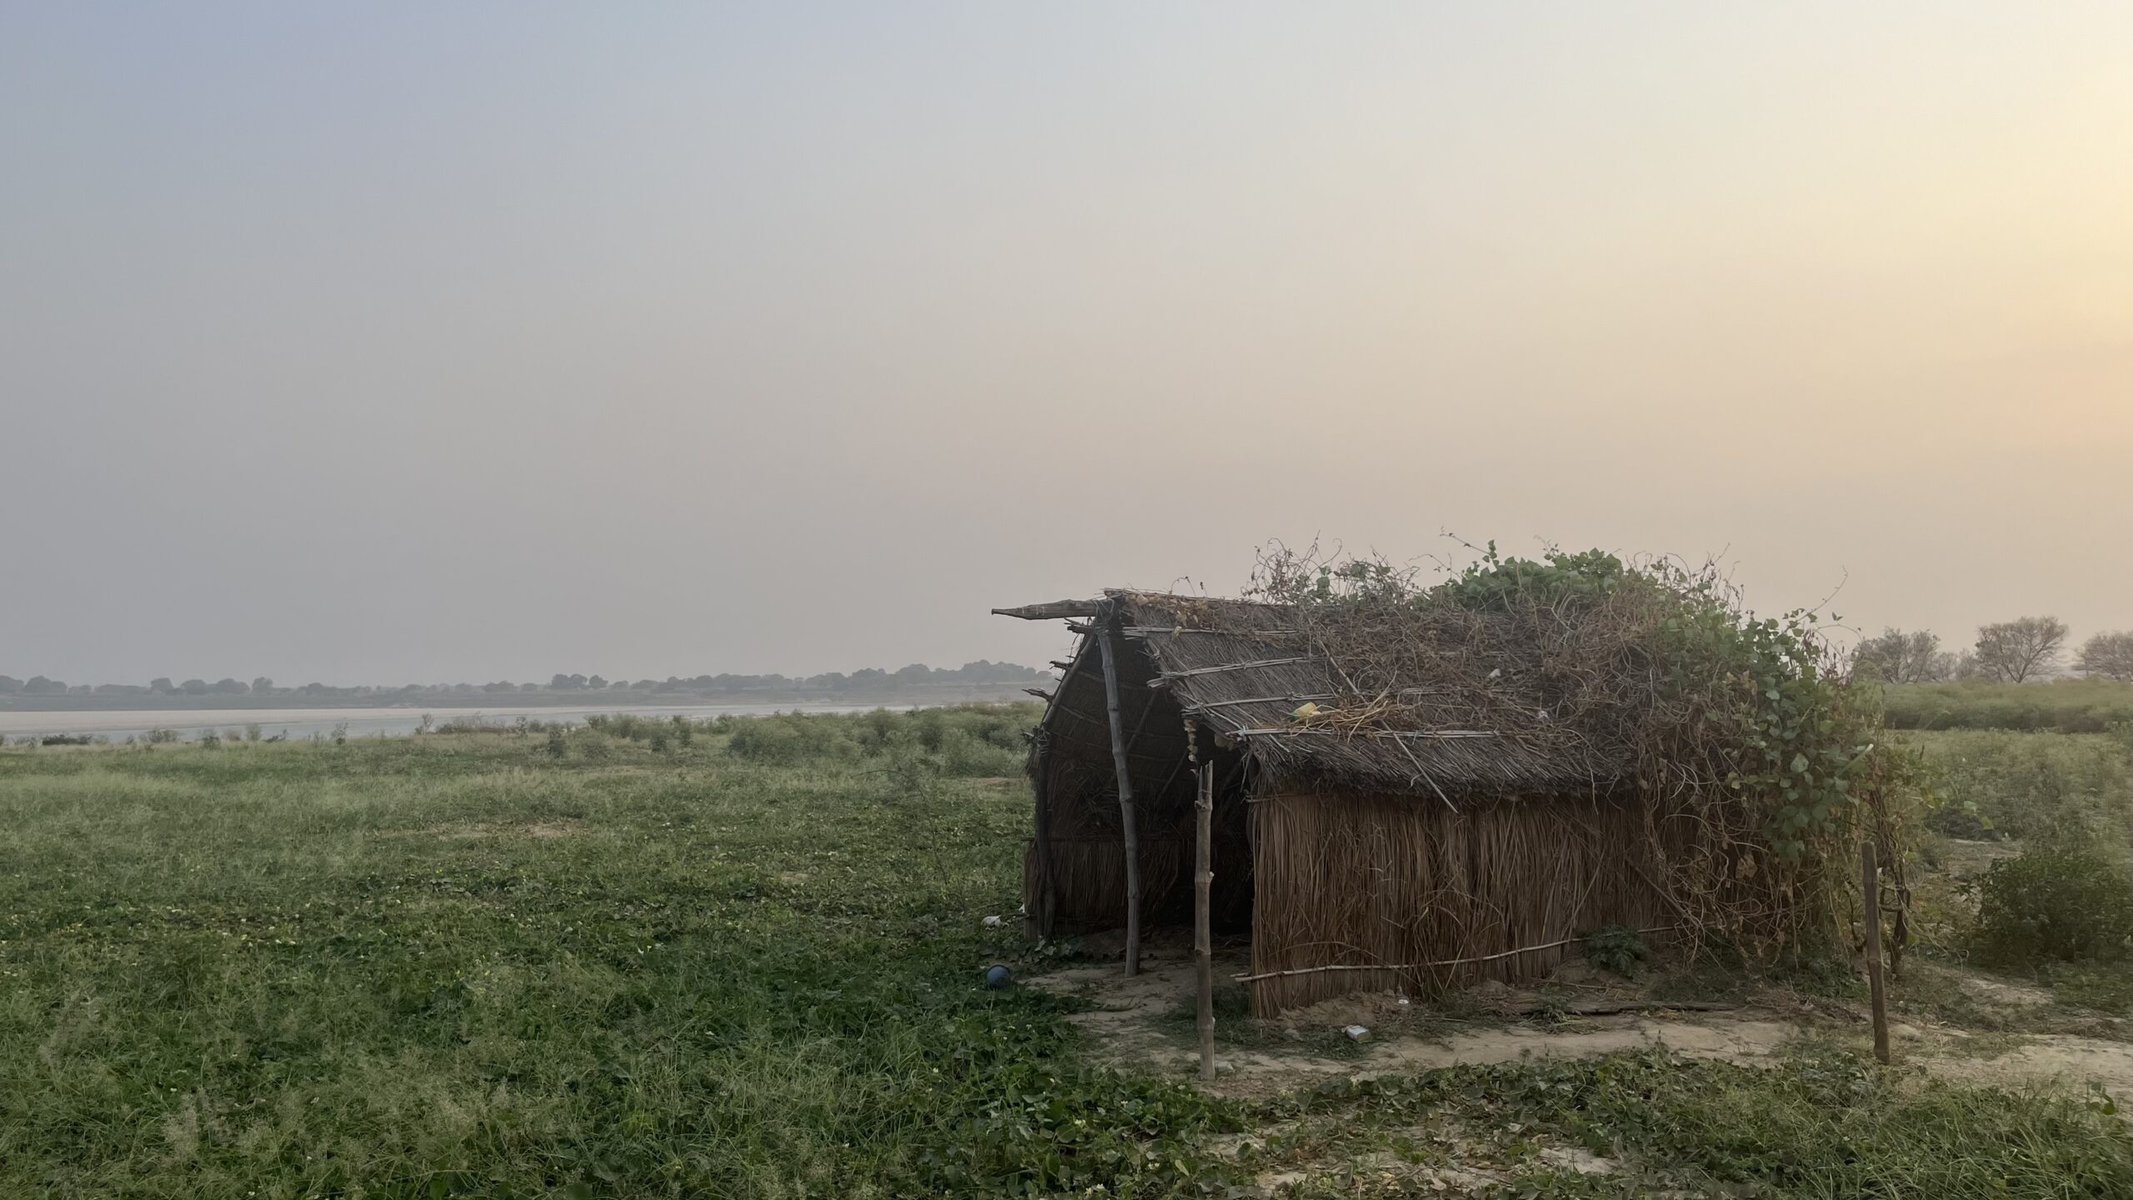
x=262 y=686
x=9 y=685
x=564 y=683
x=987 y=671
x=228 y=687
x=41 y=686
x=162 y=686
x=595 y=681
x=194 y=687
x=1894 y=656
x=2019 y=650
x=2109 y=655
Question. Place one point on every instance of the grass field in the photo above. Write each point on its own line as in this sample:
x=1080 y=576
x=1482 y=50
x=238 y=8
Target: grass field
x=2061 y=705
x=2038 y=788
x=731 y=962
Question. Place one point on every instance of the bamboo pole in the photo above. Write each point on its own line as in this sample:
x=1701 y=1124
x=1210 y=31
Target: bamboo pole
x=1203 y=942
x=1870 y=892
x=1040 y=912
x=1426 y=966
x=1125 y=804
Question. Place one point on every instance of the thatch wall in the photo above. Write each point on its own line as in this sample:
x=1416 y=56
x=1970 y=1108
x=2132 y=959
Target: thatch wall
x=1089 y=880
x=1089 y=858
x=1359 y=880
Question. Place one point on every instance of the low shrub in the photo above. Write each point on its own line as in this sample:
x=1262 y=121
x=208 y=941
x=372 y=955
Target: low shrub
x=1616 y=949
x=964 y=741
x=791 y=739
x=2054 y=906
x=662 y=734
x=475 y=723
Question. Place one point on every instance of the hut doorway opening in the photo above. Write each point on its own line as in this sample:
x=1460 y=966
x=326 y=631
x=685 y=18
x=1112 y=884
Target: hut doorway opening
x=1076 y=876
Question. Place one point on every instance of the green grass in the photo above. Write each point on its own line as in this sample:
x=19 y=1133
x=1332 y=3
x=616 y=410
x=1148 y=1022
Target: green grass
x=1819 y=1126
x=469 y=965
x=2062 y=705
x=2038 y=794
x=2070 y=791
x=458 y=966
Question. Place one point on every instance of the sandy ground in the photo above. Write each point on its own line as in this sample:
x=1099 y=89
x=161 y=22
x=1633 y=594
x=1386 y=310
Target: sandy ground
x=1137 y=1023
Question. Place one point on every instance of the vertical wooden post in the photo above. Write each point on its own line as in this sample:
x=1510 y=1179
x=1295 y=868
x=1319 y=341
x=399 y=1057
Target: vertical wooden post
x=1125 y=802
x=1040 y=910
x=1870 y=892
x=1203 y=942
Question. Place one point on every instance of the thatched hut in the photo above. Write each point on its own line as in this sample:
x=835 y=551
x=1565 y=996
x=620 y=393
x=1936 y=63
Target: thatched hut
x=1471 y=833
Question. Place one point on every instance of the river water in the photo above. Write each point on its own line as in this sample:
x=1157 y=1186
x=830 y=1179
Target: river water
x=300 y=723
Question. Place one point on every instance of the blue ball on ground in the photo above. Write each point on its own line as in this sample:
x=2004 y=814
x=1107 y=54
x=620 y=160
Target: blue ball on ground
x=998 y=976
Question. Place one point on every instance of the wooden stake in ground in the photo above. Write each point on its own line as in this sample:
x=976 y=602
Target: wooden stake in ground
x=1203 y=942
x=1039 y=924
x=1125 y=802
x=1870 y=893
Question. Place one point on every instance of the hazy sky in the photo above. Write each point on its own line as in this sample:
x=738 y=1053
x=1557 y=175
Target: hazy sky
x=397 y=342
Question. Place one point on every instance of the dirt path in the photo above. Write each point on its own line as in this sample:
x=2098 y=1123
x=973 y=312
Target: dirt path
x=1142 y=1023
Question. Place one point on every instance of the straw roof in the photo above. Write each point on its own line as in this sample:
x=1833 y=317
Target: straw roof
x=1468 y=705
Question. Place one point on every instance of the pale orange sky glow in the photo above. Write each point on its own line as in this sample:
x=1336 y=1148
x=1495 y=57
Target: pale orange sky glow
x=389 y=343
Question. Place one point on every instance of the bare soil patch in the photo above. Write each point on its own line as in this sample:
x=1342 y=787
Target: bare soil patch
x=1143 y=1024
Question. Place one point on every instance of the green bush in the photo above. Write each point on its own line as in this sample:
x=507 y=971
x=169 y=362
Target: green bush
x=789 y=739
x=2054 y=906
x=966 y=741
x=1616 y=949
x=968 y=755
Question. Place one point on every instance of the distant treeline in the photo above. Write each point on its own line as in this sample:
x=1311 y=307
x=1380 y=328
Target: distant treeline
x=975 y=680
x=2017 y=651
x=2010 y=677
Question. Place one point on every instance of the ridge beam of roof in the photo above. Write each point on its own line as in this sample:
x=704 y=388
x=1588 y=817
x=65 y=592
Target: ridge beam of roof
x=1205 y=705
x=1426 y=735
x=1052 y=611
x=1255 y=635
x=1255 y=664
